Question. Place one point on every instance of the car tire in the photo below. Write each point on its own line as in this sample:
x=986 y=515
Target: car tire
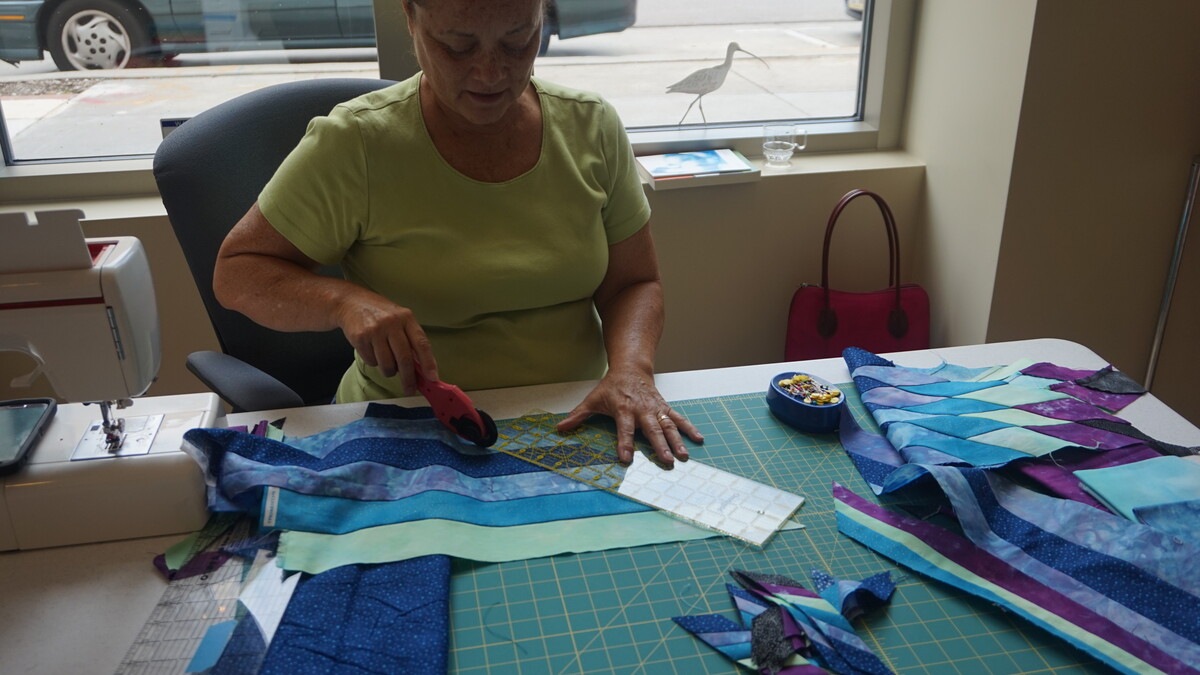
x=99 y=35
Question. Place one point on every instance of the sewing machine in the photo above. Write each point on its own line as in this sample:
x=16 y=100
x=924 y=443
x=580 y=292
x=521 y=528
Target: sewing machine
x=84 y=310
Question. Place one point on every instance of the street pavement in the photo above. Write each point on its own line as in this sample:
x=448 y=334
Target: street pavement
x=810 y=71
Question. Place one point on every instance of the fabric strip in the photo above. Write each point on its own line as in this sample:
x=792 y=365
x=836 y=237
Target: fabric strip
x=333 y=515
x=314 y=553
x=947 y=557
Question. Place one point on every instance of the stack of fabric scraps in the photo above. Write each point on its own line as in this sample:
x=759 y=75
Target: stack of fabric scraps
x=795 y=631
x=369 y=513
x=1162 y=492
x=998 y=450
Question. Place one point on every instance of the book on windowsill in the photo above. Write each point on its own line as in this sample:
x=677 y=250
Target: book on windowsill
x=692 y=169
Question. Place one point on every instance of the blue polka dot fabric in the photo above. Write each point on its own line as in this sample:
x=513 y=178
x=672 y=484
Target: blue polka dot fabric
x=366 y=619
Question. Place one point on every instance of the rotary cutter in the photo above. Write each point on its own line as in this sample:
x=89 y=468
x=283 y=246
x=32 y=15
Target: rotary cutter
x=456 y=411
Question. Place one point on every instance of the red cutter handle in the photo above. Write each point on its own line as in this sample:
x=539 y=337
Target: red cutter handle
x=456 y=411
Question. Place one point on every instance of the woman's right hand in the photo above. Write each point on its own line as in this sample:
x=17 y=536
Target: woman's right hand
x=387 y=336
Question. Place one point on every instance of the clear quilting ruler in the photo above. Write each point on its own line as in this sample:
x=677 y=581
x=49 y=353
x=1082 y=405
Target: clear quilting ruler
x=698 y=493
x=187 y=609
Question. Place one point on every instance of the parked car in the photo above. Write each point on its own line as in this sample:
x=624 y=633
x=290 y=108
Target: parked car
x=855 y=8
x=106 y=34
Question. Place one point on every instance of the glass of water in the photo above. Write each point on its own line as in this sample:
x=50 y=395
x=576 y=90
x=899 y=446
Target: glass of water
x=780 y=141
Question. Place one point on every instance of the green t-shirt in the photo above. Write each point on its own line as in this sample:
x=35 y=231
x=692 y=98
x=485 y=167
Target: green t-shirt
x=500 y=275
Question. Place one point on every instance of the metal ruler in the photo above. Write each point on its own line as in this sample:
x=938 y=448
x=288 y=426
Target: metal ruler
x=698 y=493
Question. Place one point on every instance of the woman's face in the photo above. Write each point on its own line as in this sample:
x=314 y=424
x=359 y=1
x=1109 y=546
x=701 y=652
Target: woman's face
x=477 y=55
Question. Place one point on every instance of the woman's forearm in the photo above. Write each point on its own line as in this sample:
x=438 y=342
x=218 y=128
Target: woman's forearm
x=633 y=324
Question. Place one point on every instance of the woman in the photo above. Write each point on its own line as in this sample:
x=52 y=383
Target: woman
x=477 y=213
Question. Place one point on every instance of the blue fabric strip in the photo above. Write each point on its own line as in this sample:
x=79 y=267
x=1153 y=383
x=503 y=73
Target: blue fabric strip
x=959 y=427
x=378 y=482
x=404 y=453
x=333 y=515
x=970 y=452
x=956 y=406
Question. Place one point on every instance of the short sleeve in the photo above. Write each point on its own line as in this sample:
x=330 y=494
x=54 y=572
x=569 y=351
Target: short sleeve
x=318 y=199
x=627 y=209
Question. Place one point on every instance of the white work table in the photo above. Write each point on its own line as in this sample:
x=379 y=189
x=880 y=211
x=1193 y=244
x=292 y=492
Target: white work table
x=77 y=609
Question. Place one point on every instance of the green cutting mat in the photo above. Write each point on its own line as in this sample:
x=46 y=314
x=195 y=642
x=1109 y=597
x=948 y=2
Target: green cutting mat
x=610 y=611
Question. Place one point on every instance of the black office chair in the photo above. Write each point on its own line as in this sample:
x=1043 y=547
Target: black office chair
x=209 y=171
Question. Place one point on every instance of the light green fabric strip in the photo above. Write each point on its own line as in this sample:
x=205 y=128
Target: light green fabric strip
x=1005 y=372
x=1012 y=395
x=179 y=552
x=1017 y=417
x=1023 y=440
x=316 y=553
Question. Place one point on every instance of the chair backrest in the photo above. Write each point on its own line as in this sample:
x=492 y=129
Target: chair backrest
x=209 y=172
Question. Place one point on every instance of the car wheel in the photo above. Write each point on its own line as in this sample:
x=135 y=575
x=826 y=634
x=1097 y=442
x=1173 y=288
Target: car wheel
x=98 y=35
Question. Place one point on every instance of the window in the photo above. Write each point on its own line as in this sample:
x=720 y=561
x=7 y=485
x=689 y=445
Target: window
x=807 y=60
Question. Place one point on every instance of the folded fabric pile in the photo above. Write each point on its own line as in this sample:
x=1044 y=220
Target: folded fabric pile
x=793 y=630
x=998 y=450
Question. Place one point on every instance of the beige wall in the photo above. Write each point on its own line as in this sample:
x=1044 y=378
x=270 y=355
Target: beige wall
x=964 y=108
x=731 y=256
x=1109 y=124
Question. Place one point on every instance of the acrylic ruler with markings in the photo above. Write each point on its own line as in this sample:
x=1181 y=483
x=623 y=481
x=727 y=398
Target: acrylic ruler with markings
x=700 y=494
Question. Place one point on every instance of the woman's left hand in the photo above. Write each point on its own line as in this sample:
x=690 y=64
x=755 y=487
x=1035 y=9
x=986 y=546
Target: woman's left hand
x=631 y=398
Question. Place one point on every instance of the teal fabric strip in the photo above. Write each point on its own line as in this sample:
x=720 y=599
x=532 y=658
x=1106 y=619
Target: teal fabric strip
x=315 y=553
x=1150 y=482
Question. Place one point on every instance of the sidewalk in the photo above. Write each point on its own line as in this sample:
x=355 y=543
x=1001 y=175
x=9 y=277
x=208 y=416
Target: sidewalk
x=812 y=72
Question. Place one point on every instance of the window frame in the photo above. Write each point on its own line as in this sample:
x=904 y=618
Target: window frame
x=888 y=33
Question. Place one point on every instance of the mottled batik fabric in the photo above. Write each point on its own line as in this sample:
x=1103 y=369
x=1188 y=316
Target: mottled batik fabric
x=1122 y=591
x=393 y=465
x=1033 y=419
x=793 y=630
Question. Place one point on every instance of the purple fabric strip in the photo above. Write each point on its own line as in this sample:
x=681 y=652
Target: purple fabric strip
x=1103 y=399
x=1086 y=437
x=1067 y=409
x=1051 y=371
x=205 y=562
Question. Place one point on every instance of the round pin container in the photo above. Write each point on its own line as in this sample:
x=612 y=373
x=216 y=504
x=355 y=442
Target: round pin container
x=805 y=402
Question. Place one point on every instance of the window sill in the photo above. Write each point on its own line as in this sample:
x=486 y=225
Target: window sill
x=805 y=163
x=125 y=188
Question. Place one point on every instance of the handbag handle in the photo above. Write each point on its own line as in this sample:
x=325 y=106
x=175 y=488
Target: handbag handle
x=897 y=318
